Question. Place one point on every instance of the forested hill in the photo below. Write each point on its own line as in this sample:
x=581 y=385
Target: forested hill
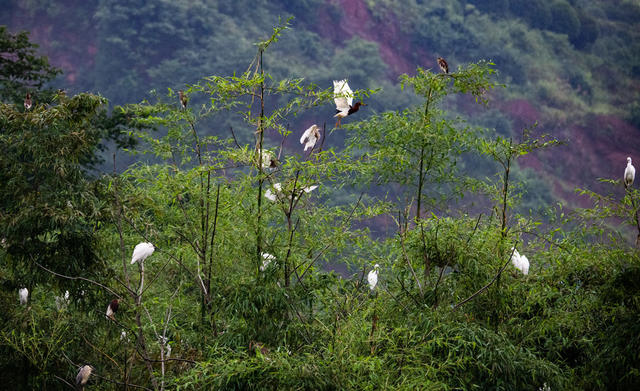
x=571 y=65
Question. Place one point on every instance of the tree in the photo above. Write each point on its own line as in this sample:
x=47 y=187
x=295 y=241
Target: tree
x=21 y=69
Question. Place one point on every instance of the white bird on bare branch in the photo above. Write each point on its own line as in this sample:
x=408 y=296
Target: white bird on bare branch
x=629 y=173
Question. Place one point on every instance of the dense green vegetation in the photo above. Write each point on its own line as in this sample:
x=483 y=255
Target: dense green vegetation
x=206 y=312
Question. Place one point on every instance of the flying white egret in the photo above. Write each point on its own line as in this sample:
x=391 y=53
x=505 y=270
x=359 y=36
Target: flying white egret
x=520 y=262
x=442 y=63
x=266 y=261
x=23 y=295
x=343 y=97
x=372 y=277
x=273 y=196
x=141 y=252
x=83 y=376
x=310 y=137
x=112 y=308
x=629 y=173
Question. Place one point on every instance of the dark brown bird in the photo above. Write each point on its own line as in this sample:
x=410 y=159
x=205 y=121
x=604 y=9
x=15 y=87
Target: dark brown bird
x=444 y=67
x=112 y=308
x=28 y=102
x=183 y=99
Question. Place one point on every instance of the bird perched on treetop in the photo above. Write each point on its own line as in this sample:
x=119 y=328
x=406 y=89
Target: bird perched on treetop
x=629 y=173
x=112 y=308
x=23 y=295
x=27 y=101
x=310 y=137
x=372 y=277
x=183 y=99
x=142 y=251
x=444 y=67
x=83 y=376
x=343 y=97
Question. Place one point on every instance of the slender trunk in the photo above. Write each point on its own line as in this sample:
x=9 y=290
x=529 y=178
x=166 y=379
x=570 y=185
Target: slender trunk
x=505 y=191
x=420 y=184
x=260 y=177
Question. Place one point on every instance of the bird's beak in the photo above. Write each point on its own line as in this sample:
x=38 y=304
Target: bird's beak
x=363 y=104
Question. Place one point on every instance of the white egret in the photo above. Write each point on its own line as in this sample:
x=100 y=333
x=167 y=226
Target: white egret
x=343 y=97
x=629 y=173
x=23 y=295
x=442 y=63
x=520 y=262
x=372 y=277
x=112 y=308
x=141 y=252
x=62 y=301
x=266 y=261
x=310 y=137
x=270 y=195
x=83 y=376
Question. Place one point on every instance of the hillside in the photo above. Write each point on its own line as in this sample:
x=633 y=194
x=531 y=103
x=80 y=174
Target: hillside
x=572 y=66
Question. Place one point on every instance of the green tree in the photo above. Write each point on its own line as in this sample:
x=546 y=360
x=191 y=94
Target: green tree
x=21 y=69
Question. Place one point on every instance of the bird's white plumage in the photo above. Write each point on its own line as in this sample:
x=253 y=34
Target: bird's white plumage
x=141 y=252
x=266 y=261
x=309 y=189
x=23 y=295
x=109 y=311
x=629 y=173
x=372 y=277
x=62 y=301
x=83 y=375
x=343 y=97
x=310 y=137
x=271 y=195
x=520 y=262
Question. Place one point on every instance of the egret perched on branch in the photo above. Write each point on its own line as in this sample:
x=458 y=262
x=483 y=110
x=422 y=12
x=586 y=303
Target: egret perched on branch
x=310 y=137
x=444 y=67
x=274 y=196
x=629 y=173
x=83 y=376
x=183 y=99
x=112 y=308
x=372 y=277
x=343 y=96
x=520 y=262
x=266 y=261
x=141 y=252
x=23 y=295
x=27 y=101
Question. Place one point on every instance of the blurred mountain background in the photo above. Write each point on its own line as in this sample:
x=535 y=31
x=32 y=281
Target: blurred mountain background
x=572 y=66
